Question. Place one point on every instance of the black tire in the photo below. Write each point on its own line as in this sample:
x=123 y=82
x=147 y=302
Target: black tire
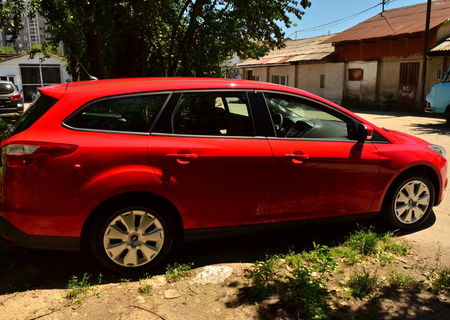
x=388 y=210
x=94 y=240
x=447 y=117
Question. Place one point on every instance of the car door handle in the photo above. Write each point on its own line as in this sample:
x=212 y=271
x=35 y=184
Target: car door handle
x=182 y=158
x=187 y=156
x=296 y=158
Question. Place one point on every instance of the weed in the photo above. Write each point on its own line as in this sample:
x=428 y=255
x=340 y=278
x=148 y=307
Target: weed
x=349 y=255
x=308 y=294
x=145 y=286
x=441 y=280
x=263 y=275
x=385 y=258
x=78 y=287
x=389 y=244
x=362 y=283
x=177 y=271
x=363 y=241
x=402 y=280
x=320 y=259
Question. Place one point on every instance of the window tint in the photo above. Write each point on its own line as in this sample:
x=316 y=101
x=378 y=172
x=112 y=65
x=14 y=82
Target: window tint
x=132 y=114
x=218 y=114
x=6 y=88
x=298 y=118
x=34 y=112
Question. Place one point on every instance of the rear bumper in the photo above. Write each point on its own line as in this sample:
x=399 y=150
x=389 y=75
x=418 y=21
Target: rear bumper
x=10 y=233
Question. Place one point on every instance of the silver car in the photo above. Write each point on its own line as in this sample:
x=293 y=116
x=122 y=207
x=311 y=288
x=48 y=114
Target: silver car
x=11 y=99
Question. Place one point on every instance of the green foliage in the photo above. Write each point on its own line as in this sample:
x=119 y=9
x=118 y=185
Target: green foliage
x=160 y=38
x=349 y=255
x=264 y=274
x=307 y=293
x=7 y=50
x=362 y=283
x=299 y=278
x=402 y=280
x=79 y=287
x=368 y=242
x=363 y=241
x=145 y=286
x=441 y=280
x=177 y=271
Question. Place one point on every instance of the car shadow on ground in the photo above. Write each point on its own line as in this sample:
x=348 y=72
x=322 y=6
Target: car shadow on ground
x=25 y=269
x=431 y=128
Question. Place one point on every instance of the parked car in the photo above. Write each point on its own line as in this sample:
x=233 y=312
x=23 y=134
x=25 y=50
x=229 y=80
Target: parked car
x=127 y=168
x=438 y=100
x=11 y=100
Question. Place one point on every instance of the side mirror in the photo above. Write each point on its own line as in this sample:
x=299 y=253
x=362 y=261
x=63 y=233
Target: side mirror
x=365 y=132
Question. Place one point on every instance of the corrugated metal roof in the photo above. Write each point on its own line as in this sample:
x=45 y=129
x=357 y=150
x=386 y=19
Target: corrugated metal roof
x=310 y=49
x=404 y=20
x=443 y=46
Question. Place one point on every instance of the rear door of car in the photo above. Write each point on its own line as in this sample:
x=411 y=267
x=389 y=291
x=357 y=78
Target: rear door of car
x=209 y=156
x=319 y=170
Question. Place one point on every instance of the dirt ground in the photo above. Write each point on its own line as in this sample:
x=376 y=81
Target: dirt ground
x=33 y=283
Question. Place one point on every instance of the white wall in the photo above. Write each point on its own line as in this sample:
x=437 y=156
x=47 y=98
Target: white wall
x=11 y=67
x=334 y=81
x=366 y=88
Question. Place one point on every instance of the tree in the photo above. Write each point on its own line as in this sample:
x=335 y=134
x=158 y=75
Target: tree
x=162 y=37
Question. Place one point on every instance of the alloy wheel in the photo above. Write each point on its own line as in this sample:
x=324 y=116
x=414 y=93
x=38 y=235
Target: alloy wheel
x=133 y=238
x=412 y=201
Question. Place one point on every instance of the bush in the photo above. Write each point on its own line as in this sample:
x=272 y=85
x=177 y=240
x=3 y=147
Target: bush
x=362 y=283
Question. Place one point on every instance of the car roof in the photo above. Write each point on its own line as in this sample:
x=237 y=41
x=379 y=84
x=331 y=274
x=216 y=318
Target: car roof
x=99 y=88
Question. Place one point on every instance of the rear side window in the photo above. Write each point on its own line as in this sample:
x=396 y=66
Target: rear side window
x=6 y=88
x=213 y=113
x=125 y=114
x=34 y=112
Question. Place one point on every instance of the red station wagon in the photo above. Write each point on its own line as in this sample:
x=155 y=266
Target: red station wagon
x=126 y=168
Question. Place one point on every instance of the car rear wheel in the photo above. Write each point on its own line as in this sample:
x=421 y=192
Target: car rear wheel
x=410 y=201
x=131 y=238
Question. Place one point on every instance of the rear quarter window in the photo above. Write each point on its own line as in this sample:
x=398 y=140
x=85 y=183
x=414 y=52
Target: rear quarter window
x=33 y=113
x=123 y=114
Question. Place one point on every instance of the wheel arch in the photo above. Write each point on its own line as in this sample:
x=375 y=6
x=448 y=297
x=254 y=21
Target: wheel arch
x=424 y=169
x=138 y=196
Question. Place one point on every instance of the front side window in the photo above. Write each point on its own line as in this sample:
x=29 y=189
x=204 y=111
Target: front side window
x=126 y=114
x=213 y=113
x=298 y=118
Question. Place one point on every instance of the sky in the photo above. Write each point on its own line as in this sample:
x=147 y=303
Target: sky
x=325 y=11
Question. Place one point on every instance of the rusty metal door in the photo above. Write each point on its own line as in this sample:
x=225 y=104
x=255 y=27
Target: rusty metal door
x=407 y=90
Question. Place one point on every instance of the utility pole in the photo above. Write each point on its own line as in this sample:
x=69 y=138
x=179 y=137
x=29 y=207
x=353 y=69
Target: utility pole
x=425 y=51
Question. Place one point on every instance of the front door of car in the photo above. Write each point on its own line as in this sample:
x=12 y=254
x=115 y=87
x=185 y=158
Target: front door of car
x=206 y=153
x=319 y=170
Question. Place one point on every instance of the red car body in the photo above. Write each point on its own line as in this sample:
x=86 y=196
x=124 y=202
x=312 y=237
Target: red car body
x=210 y=181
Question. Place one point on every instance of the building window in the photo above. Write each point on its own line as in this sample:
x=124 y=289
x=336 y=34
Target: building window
x=283 y=80
x=257 y=78
x=356 y=74
x=322 y=81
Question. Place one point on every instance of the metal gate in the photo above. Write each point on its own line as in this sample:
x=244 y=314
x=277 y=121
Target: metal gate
x=407 y=90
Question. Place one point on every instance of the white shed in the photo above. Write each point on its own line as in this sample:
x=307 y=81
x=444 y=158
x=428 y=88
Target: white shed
x=30 y=73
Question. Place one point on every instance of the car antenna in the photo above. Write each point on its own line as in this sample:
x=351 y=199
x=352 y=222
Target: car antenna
x=91 y=77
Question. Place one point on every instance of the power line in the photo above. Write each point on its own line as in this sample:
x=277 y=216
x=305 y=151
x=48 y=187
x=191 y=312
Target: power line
x=339 y=21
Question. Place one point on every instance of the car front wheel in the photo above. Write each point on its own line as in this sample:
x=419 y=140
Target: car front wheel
x=410 y=201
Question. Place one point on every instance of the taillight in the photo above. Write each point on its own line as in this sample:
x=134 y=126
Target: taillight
x=24 y=154
x=17 y=96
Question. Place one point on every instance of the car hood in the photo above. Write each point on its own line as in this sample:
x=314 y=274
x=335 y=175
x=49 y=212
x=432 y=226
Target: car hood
x=404 y=138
